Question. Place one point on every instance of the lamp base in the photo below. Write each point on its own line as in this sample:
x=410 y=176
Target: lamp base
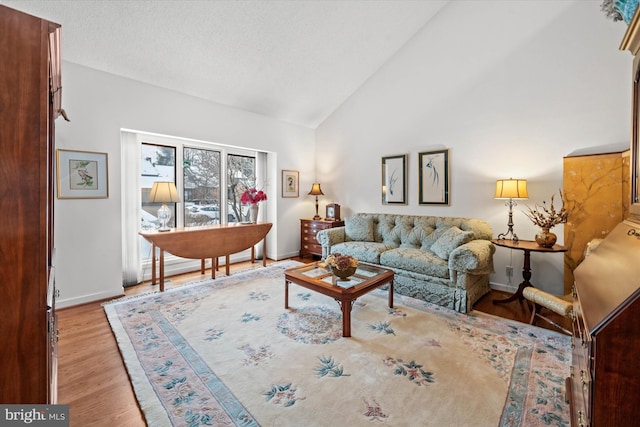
x=164 y=214
x=503 y=236
x=316 y=217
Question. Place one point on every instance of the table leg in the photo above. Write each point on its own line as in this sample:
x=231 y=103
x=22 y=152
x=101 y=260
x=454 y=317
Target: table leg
x=391 y=294
x=202 y=265
x=286 y=294
x=161 y=270
x=526 y=275
x=153 y=265
x=226 y=267
x=346 y=317
x=264 y=252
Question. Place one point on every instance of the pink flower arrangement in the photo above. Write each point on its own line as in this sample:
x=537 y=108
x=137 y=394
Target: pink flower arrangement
x=253 y=196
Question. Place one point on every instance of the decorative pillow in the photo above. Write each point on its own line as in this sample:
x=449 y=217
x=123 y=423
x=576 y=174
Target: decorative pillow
x=450 y=239
x=359 y=229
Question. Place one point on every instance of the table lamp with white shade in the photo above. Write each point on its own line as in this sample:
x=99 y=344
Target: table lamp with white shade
x=164 y=192
x=511 y=189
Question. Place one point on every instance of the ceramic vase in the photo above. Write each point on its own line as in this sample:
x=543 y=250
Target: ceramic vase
x=546 y=238
x=253 y=213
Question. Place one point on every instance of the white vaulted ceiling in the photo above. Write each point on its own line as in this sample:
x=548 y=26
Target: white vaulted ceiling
x=295 y=61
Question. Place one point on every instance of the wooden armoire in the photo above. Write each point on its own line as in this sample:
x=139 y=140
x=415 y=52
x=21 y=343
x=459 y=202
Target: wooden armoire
x=29 y=103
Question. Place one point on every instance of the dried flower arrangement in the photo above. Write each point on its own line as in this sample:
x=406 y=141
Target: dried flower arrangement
x=341 y=262
x=545 y=217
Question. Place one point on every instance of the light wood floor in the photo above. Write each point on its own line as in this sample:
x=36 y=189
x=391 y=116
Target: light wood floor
x=92 y=377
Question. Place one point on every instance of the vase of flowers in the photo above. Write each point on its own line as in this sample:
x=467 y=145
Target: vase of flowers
x=547 y=218
x=342 y=266
x=252 y=197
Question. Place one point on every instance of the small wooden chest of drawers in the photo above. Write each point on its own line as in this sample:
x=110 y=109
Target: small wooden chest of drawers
x=308 y=230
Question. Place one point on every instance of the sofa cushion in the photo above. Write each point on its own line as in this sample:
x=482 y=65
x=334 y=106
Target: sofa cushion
x=359 y=229
x=449 y=240
x=417 y=260
x=364 y=251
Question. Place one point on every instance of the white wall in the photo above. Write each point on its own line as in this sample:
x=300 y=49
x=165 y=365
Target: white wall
x=510 y=88
x=88 y=231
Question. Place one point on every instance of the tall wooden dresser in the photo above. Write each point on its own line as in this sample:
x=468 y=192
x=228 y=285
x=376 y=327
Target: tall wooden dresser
x=604 y=386
x=29 y=103
x=308 y=230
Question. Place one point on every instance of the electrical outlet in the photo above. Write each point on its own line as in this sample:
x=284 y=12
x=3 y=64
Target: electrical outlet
x=509 y=271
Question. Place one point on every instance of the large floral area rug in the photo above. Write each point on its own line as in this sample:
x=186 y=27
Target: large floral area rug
x=226 y=352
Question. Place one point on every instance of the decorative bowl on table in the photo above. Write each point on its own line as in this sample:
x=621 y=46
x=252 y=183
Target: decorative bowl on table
x=342 y=266
x=344 y=274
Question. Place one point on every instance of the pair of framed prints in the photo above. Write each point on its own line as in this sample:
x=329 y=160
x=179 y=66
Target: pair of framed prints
x=433 y=178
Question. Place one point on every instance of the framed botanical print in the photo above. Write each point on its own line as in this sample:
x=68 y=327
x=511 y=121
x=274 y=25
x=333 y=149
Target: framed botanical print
x=82 y=175
x=433 y=181
x=394 y=180
x=290 y=183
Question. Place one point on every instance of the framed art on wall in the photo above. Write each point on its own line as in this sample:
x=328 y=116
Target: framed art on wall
x=290 y=183
x=394 y=180
x=433 y=181
x=82 y=174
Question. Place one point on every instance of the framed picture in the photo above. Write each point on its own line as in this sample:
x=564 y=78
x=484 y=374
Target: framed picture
x=394 y=180
x=433 y=181
x=82 y=175
x=290 y=183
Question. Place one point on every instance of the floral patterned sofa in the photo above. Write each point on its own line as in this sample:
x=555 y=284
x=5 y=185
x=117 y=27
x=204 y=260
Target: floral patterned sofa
x=442 y=260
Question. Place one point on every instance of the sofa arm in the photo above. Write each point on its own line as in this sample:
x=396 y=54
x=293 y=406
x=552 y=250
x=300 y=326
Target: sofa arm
x=474 y=257
x=329 y=237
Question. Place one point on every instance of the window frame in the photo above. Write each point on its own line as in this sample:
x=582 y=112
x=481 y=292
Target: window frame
x=144 y=259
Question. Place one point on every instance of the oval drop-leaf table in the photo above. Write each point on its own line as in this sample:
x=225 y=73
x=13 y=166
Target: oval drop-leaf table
x=209 y=241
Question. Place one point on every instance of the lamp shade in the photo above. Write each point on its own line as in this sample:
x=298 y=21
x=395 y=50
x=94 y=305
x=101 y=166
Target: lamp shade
x=316 y=190
x=163 y=192
x=511 y=189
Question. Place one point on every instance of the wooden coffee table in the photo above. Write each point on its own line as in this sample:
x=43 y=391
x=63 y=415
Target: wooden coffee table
x=317 y=278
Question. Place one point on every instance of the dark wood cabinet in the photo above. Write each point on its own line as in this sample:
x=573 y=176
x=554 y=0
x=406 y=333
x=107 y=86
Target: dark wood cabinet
x=308 y=230
x=29 y=104
x=604 y=386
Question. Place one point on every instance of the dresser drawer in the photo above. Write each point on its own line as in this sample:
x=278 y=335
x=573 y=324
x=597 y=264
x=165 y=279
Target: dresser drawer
x=309 y=228
x=315 y=225
x=309 y=238
x=312 y=248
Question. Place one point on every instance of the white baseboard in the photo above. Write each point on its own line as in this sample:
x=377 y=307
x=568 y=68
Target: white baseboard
x=504 y=288
x=64 y=303
x=175 y=265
